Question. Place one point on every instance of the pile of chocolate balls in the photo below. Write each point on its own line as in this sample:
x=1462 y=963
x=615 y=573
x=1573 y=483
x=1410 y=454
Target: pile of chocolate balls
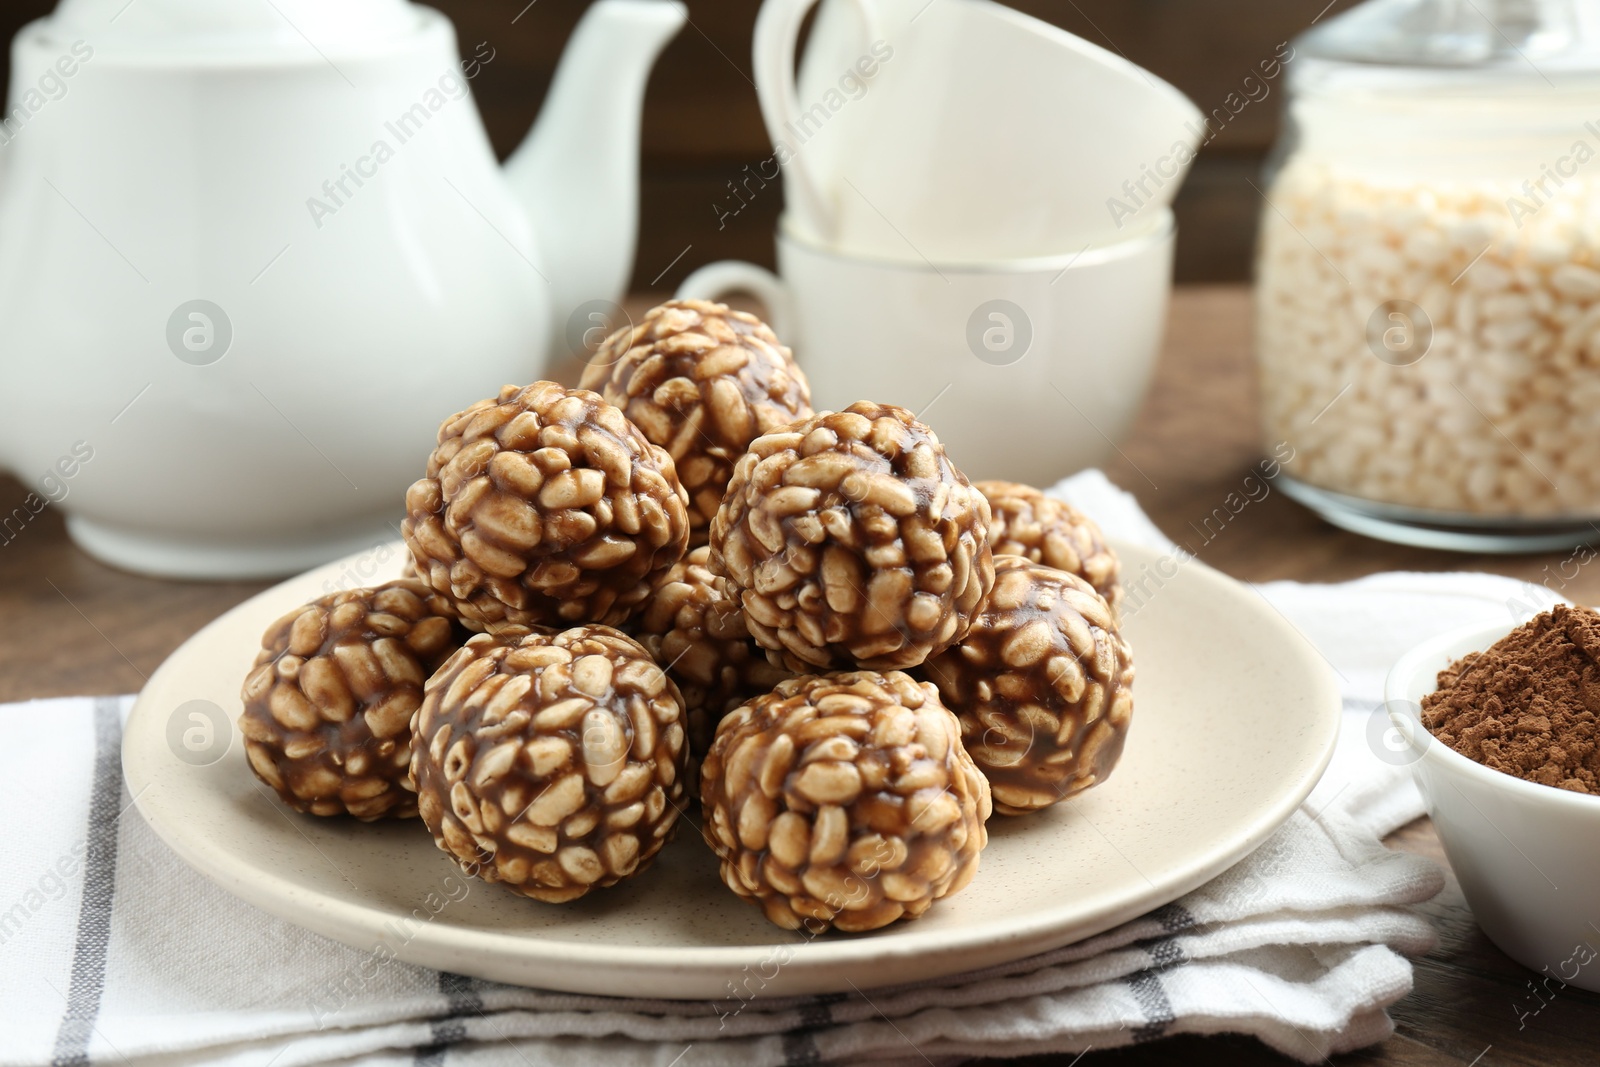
x=680 y=584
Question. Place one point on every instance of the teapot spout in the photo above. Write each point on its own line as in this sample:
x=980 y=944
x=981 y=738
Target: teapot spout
x=577 y=172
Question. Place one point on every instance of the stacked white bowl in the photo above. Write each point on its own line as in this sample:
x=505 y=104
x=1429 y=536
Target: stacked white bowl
x=978 y=222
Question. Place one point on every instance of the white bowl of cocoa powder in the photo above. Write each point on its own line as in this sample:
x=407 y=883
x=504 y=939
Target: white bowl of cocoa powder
x=1502 y=725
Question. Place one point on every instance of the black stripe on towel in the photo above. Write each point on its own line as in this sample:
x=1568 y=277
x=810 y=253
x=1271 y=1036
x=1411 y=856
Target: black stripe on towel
x=93 y=941
x=1152 y=998
x=462 y=1001
x=1174 y=918
x=800 y=1045
x=1165 y=953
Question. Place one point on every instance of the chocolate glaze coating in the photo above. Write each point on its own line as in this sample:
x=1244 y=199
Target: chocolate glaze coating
x=852 y=540
x=551 y=763
x=693 y=627
x=1045 y=530
x=844 y=801
x=1042 y=685
x=702 y=381
x=328 y=706
x=545 y=507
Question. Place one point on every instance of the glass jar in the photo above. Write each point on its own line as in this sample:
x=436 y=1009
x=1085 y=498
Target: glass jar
x=1428 y=274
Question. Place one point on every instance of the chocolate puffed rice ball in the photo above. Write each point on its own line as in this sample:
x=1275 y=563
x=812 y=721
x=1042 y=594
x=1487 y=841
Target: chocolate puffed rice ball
x=1045 y=530
x=1042 y=685
x=844 y=801
x=545 y=507
x=551 y=763
x=852 y=540
x=694 y=628
x=328 y=706
x=702 y=381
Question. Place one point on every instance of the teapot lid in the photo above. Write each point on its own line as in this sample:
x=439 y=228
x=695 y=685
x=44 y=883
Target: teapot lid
x=188 y=26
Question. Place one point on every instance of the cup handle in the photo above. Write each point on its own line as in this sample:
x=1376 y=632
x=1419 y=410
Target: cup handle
x=777 y=37
x=716 y=280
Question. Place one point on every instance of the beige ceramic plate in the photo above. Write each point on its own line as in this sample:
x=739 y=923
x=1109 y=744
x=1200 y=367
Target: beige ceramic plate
x=1234 y=721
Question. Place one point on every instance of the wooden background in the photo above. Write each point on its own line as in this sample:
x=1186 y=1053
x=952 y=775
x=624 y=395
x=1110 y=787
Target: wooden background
x=702 y=124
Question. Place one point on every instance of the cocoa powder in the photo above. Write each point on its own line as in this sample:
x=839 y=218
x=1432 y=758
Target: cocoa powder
x=1527 y=706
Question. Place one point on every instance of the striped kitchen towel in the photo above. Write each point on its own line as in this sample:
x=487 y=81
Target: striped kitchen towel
x=113 y=951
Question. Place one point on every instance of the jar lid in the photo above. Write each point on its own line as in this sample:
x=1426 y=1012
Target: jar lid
x=1524 y=51
x=1458 y=33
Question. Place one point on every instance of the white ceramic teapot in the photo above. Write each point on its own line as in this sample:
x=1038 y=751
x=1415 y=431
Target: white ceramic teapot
x=252 y=252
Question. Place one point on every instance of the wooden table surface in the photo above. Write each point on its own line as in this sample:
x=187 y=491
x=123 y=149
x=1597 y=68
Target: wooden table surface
x=69 y=625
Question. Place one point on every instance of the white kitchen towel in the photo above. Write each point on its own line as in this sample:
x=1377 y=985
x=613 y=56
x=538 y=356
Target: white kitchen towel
x=112 y=951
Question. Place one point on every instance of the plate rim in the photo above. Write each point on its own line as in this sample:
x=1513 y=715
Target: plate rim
x=357 y=924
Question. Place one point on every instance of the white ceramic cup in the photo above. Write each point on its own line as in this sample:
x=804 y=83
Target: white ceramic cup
x=1527 y=855
x=1028 y=370
x=963 y=129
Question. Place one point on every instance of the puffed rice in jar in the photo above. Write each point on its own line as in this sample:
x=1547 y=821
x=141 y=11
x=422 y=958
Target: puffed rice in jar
x=1428 y=297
